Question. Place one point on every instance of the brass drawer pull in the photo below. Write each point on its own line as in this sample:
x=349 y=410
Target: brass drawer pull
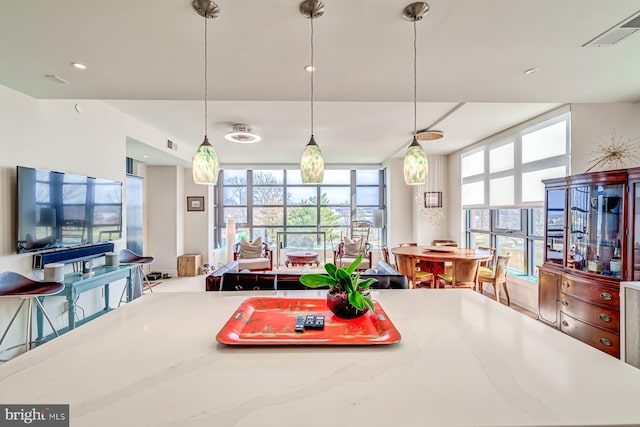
x=605 y=341
x=565 y=303
x=604 y=317
x=606 y=296
x=565 y=323
x=565 y=284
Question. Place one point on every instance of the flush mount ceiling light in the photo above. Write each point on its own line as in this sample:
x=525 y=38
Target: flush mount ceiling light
x=429 y=135
x=530 y=71
x=205 y=161
x=78 y=65
x=416 y=164
x=242 y=134
x=312 y=163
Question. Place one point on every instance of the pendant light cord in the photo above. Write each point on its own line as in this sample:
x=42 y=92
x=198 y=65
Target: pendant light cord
x=415 y=80
x=205 y=79
x=312 y=73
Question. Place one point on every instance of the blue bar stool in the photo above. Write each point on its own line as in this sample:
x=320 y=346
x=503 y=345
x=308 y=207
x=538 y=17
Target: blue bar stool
x=16 y=285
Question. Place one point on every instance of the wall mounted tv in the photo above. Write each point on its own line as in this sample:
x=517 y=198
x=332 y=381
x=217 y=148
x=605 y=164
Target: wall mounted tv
x=60 y=210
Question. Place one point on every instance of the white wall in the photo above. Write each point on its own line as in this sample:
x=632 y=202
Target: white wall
x=165 y=219
x=454 y=199
x=593 y=124
x=51 y=134
x=399 y=205
x=197 y=233
x=426 y=230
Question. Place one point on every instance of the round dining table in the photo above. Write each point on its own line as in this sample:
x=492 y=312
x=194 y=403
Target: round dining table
x=434 y=256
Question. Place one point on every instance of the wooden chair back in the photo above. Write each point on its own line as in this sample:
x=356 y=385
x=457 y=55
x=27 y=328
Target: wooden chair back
x=490 y=263
x=501 y=267
x=407 y=244
x=360 y=228
x=385 y=254
x=465 y=273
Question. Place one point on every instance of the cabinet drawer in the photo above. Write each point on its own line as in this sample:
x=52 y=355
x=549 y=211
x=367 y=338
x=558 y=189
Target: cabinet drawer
x=595 y=337
x=598 y=316
x=591 y=292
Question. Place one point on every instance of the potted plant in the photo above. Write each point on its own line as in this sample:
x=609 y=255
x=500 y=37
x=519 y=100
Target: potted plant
x=348 y=294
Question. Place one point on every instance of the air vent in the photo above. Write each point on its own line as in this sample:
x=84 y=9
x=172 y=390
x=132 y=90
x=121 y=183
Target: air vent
x=57 y=79
x=618 y=33
x=172 y=145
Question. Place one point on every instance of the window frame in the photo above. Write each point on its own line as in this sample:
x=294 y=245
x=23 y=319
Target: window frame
x=219 y=205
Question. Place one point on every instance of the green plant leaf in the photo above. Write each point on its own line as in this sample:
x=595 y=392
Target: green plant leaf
x=365 y=284
x=331 y=269
x=367 y=302
x=345 y=280
x=352 y=267
x=357 y=300
x=317 y=280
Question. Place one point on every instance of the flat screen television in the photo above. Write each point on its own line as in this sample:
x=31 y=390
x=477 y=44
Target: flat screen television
x=60 y=210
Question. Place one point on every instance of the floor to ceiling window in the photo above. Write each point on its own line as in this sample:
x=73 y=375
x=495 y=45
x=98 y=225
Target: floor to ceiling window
x=266 y=201
x=502 y=189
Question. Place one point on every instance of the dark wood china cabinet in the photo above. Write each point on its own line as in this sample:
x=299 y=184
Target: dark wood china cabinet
x=591 y=244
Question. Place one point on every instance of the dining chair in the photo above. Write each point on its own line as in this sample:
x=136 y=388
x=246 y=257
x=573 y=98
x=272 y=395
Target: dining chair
x=464 y=274
x=497 y=277
x=406 y=266
x=489 y=265
x=385 y=253
x=402 y=245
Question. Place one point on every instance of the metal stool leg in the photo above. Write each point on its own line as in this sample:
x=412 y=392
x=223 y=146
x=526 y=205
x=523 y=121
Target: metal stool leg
x=27 y=342
x=46 y=315
x=6 y=331
x=145 y=279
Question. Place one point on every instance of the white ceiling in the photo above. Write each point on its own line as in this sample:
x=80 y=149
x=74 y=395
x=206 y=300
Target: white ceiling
x=146 y=59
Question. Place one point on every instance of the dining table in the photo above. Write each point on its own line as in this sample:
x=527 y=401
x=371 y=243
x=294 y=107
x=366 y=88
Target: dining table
x=461 y=359
x=433 y=258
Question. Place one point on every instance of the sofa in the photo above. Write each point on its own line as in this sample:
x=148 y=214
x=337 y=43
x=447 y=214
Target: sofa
x=229 y=278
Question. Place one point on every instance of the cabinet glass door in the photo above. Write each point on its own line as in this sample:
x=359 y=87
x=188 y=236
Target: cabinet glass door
x=555 y=226
x=596 y=218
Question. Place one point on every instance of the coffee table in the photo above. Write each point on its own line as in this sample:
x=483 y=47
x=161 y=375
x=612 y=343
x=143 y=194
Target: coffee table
x=302 y=258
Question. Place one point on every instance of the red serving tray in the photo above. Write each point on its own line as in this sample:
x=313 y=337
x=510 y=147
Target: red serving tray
x=271 y=321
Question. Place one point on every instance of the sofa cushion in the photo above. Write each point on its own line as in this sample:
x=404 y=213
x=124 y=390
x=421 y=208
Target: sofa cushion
x=213 y=280
x=353 y=248
x=347 y=260
x=254 y=264
x=250 y=249
x=386 y=268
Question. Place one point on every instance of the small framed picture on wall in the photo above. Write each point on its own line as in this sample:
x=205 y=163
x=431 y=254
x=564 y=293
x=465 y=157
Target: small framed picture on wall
x=195 y=203
x=433 y=199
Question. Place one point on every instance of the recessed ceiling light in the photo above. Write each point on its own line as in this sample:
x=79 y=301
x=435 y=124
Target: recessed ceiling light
x=530 y=71
x=242 y=134
x=79 y=66
x=309 y=68
x=145 y=156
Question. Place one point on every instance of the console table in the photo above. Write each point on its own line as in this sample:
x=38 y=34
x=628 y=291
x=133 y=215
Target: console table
x=317 y=233
x=75 y=283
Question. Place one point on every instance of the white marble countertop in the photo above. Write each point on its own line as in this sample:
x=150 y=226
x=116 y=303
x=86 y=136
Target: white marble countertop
x=463 y=360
